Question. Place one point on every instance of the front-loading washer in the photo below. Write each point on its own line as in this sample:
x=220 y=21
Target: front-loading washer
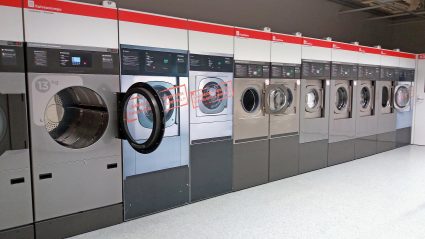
x=403 y=104
x=387 y=117
x=342 y=122
x=16 y=212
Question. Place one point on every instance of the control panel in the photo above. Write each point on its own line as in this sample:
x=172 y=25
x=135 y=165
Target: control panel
x=211 y=63
x=286 y=71
x=12 y=57
x=252 y=70
x=369 y=72
x=316 y=70
x=343 y=71
x=389 y=74
x=407 y=75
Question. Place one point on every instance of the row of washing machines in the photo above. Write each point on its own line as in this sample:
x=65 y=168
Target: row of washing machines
x=109 y=114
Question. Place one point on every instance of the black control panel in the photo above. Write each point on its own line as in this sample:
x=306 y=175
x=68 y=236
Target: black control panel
x=369 y=72
x=407 y=75
x=53 y=60
x=153 y=63
x=389 y=74
x=252 y=70
x=344 y=71
x=12 y=57
x=316 y=70
x=286 y=71
x=211 y=63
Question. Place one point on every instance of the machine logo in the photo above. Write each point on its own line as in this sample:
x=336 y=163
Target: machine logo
x=42 y=85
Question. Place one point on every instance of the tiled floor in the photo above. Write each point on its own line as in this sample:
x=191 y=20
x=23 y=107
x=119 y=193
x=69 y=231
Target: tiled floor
x=377 y=197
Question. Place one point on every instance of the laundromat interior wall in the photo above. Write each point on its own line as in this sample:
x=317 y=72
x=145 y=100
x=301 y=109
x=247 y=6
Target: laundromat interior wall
x=313 y=18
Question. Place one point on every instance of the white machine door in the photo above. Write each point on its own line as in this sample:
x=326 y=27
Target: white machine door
x=402 y=98
x=278 y=99
x=314 y=99
x=386 y=99
x=214 y=96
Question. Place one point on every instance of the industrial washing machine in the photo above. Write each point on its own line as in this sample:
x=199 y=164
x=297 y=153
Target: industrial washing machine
x=73 y=78
x=155 y=52
x=250 y=121
x=15 y=173
x=386 y=137
x=342 y=121
x=282 y=105
x=403 y=103
x=211 y=109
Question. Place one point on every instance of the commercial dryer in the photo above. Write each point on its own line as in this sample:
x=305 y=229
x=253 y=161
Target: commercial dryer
x=154 y=51
x=211 y=109
x=15 y=173
x=250 y=120
x=314 y=104
x=403 y=104
x=282 y=105
x=73 y=78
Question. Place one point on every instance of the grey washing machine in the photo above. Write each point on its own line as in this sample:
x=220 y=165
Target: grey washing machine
x=250 y=125
x=282 y=105
x=403 y=98
x=387 y=117
x=366 y=114
x=314 y=115
x=211 y=112
x=342 y=121
x=16 y=214
x=157 y=179
x=76 y=155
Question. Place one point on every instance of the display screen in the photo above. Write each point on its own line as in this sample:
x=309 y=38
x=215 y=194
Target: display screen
x=75 y=59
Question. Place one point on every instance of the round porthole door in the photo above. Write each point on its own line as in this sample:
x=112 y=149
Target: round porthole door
x=278 y=99
x=385 y=97
x=250 y=100
x=402 y=97
x=342 y=99
x=313 y=100
x=213 y=99
x=142 y=99
x=365 y=98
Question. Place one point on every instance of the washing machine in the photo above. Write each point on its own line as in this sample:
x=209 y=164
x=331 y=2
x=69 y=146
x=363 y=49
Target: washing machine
x=250 y=120
x=72 y=81
x=154 y=51
x=342 y=121
x=386 y=138
x=403 y=98
x=15 y=173
x=211 y=63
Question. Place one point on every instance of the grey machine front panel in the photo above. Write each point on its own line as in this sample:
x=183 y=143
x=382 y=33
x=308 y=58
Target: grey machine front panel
x=211 y=144
x=387 y=117
x=250 y=125
x=314 y=115
x=75 y=151
x=403 y=136
x=25 y=232
x=342 y=120
x=366 y=113
x=15 y=175
x=405 y=107
x=158 y=180
x=284 y=126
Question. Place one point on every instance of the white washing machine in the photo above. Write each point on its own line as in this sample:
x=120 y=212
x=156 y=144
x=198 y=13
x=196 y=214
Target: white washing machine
x=403 y=103
x=16 y=215
x=73 y=78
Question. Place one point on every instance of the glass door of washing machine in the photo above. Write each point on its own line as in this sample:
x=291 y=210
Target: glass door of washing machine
x=342 y=106
x=386 y=99
x=314 y=100
x=278 y=99
x=143 y=105
x=402 y=98
x=214 y=95
x=367 y=99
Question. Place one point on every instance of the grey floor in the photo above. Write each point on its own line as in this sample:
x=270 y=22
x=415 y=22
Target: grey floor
x=377 y=197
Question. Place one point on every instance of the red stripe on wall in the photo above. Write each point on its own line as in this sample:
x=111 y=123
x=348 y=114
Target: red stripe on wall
x=370 y=50
x=11 y=3
x=397 y=54
x=151 y=19
x=287 y=38
x=317 y=42
x=73 y=8
x=345 y=46
x=247 y=33
x=421 y=56
x=211 y=28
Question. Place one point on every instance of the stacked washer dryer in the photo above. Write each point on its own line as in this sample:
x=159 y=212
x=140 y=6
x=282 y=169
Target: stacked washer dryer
x=250 y=121
x=154 y=51
x=314 y=104
x=15 y=172
x=211 y=107
x=342 y=120
x=386 y=137
x=73 y=77
x=282 y=105
x=366 y=98
x=403 y=99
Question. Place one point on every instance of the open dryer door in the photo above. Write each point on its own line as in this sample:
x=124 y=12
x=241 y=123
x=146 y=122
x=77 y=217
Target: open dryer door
x=142 y=99
x=278 y=99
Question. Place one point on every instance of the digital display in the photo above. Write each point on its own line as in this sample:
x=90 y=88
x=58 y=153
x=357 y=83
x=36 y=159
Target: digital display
x=75 y=59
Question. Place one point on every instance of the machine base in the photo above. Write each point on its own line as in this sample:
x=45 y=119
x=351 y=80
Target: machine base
x=250 y=164
x=79 y=223
x=24 y=232
x=284 y=157
x=386 y=142
x=313 y=155
x=157 y=191
x=341 y=152
x=365 y=146
x=403 y=137
x=211 y=169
